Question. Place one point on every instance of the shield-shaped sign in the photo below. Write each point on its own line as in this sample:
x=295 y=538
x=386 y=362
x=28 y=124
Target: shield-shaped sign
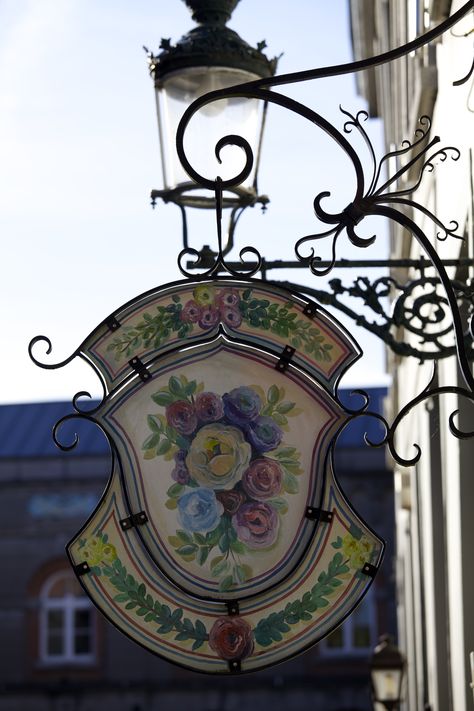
x=223 y=542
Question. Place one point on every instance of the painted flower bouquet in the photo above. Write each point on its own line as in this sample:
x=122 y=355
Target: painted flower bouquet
x=231 y=471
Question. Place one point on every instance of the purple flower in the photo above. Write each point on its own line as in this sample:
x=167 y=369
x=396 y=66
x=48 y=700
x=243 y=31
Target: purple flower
x=264 y=434
x=262 y=479
x=231 y=316
x=229 y=297
x=241 y=405
x=209 y=407
x=191 y=312
x=209 y=317
x=180 y=472
x=256 y=524
x=182 y=416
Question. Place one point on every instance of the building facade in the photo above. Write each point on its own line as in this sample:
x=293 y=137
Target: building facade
x=435 y=526
x=58 y=654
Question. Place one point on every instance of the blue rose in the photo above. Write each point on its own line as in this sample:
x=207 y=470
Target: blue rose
x=241 y=405
x=264 y=434
x=199 y=510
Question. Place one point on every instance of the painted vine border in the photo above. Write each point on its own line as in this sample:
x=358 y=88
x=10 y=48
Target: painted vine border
x=232 y=638
x=210 y=306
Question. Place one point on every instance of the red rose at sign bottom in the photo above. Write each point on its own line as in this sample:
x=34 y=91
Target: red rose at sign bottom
x=231 y=638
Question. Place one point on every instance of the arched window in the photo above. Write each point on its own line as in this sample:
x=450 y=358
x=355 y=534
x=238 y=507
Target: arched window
x=67 y=624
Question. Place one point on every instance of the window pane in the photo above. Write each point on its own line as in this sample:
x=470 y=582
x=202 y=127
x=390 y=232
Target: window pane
x=82 y=643
x=55 y=644
x=361 y=636
x=55 y=619
x=82 y=619
x=335 y=639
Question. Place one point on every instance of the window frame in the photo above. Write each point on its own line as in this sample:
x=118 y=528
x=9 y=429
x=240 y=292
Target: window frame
x=68 y=605
x=348 y=649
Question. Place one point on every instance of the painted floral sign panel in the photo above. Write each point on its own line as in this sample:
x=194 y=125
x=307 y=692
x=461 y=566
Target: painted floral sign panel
x=262 y=314
x=224 y=454
x=132 y=592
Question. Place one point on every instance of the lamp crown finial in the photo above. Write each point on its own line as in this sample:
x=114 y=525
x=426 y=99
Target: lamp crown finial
x=211 y=11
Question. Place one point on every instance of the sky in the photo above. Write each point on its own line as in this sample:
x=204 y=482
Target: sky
x=79 y=155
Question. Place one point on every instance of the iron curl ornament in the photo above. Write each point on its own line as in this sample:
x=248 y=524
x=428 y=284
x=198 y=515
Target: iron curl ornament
x=223 y=541
x=372 y=197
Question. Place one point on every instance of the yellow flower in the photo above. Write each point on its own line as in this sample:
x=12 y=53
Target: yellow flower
x=218 y=456
x=204 y=295
x=358 y=551
x=96 y=551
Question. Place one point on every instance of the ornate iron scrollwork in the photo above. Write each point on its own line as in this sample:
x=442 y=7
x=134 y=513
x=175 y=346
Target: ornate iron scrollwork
x=372 y=197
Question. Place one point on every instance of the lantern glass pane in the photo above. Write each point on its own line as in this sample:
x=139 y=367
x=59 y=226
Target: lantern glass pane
x=387 y=684
x=239 y=116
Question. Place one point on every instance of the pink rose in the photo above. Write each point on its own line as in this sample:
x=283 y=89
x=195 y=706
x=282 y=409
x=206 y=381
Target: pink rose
x=191 y=312
x=209 y=317
x=229 y=297
x=231 y=638
x=209 y=407
x=182 y=416
x=230 y=316
x=262 y=479
x=256 y=524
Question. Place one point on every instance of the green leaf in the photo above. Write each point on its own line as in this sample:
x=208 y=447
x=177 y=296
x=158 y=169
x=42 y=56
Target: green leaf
x=290 y=483
x=238 y=547
x=285 y=406
x=122 y=597
x=196 y=644
x=220 y=568
x=151 y=442
x=226 y=583
x=185 y=537
x=279 y=419
x=224 y=543
x=187 y=550
x=176 y=298
x=163 y=447
x=281 y=505
x=171 y=504
x=202 y=554
x=175 y=386
x=190 y=388
x=164 y=399
x=199 y=538
x=337 y=543
x=153 y=423
x=239 y=574
x=212 y=538
x=200 y=628
x=286 y=452
x=174 y=492
x=273 y=394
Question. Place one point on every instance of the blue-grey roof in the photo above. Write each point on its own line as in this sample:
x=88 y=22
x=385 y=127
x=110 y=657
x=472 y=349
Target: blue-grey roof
x=26 y=429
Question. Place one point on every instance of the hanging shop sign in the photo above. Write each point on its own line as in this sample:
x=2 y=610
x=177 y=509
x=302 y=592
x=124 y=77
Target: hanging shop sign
x=223 y=542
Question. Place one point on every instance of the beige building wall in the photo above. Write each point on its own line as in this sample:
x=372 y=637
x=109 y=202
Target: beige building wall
x=434 y=499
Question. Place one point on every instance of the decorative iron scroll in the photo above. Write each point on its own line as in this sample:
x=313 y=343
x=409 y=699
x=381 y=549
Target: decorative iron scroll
x=372 y=197
x=222 y=541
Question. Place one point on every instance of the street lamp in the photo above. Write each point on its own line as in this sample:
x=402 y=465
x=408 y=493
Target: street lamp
x=208 y=58
x=387 y=669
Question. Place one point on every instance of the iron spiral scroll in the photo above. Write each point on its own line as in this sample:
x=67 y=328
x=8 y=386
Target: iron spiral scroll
x=372 y=197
